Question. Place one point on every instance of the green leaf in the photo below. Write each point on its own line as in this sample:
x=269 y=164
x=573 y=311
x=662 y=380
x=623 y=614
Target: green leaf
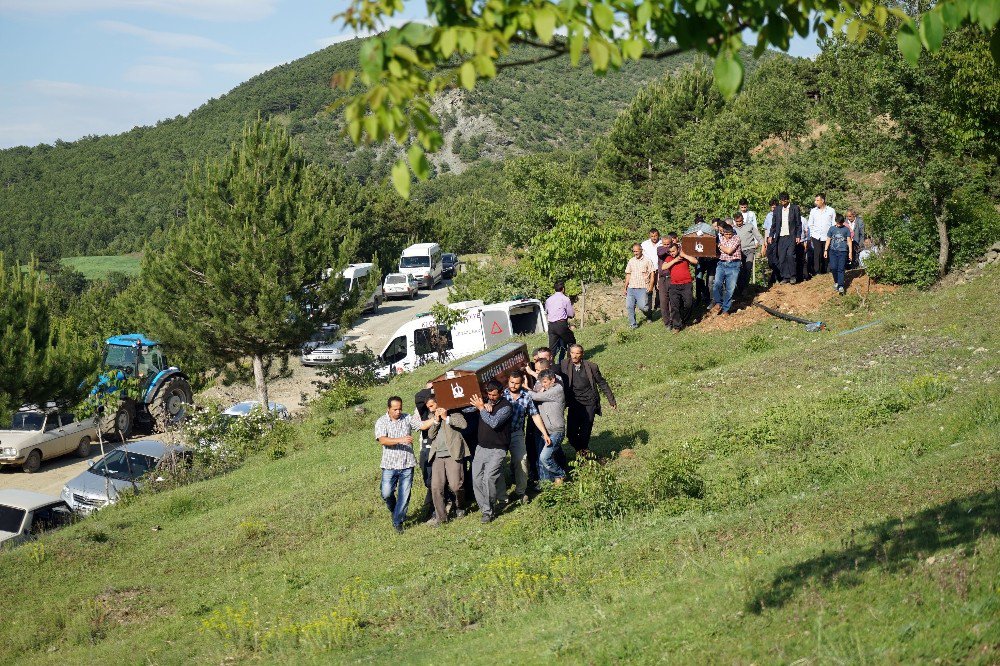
x=599 y=54
x=986 y=13
x=354 y=130
x=575 y=48
x=632 y=48
x=406 y=53
x=418 y=162
x=644 y=13
x=932 y=30
x=909 y=44
x=852 y=30
x=545 y=24
x=467 y=74
x=881 y=15
x=448 y=42
x=401 y=178
x=954 y=13
x=604 y=17
x=995 y=45
x=728 y=74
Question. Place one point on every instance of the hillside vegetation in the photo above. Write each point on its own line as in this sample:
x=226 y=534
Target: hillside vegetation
x=111 y=194
x=789 y=496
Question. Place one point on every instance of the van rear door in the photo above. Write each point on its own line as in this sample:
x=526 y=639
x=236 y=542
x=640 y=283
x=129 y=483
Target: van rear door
x=496 y=326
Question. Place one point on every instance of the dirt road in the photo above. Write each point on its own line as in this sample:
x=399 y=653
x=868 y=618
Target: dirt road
x=371 y=331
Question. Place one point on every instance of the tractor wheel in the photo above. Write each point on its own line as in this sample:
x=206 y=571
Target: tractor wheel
x=33 y=462
x=167 y=409
x=83 y=448
x=122 y=421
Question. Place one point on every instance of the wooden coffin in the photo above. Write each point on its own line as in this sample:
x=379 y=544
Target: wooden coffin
x=704 y=245
x=453 y=389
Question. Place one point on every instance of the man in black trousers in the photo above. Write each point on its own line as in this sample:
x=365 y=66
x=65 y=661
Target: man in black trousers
x=785 y=234
x=583 y=380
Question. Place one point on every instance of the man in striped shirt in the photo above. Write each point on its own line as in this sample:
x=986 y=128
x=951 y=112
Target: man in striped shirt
x=394 y=431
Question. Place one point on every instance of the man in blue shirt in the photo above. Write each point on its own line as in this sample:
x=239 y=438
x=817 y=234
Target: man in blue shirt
x=521 y=405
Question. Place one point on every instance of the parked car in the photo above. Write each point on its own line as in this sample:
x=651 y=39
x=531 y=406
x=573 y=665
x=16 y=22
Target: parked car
x=42 y=434
x=25 y=515
x=449 y=264
x=400 y=285
x=121 y=469
x=241 y=409
x=324 y=347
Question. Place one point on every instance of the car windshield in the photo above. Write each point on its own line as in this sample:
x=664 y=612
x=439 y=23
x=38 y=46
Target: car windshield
x=414 y=262
x=10 y=518
x=395 y=279
x=116 y=356
x=448 y=258
x=27 y=421
x=125 y=466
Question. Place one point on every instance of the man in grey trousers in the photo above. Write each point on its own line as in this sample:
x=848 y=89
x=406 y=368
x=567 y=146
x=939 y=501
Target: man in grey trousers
x=494 y=442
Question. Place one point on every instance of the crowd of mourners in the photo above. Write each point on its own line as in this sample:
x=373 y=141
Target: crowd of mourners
x=464 y=454
x=795 y=248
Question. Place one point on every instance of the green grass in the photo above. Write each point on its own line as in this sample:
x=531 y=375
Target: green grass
x=97 y=267
x=793 y=497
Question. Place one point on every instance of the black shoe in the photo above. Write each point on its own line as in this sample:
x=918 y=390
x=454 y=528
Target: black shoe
x=460 y=513
x=486 y=518
x=398 y=528
x=793 y=280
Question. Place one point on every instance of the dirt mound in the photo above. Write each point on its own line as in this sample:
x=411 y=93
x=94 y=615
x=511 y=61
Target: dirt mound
x=800 y=299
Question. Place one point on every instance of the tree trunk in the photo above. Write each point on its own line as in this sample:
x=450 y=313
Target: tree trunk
x=583 y=303
x=944 y=245
x=261 y=381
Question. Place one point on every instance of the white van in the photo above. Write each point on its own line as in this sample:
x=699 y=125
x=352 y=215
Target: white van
x=423 y=262
x=355 y=278
x=483 y=326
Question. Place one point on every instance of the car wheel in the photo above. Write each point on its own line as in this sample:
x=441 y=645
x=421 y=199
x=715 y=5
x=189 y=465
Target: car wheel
x=33 y=463
x=83 y=448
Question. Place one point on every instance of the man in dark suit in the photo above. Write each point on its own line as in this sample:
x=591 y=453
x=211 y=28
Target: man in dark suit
x=584 y=384
x=785 y=235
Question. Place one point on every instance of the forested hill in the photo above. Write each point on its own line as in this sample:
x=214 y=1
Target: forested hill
x=108 y=194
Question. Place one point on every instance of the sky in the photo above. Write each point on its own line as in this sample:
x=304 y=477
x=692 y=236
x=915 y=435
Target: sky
x=82 y=67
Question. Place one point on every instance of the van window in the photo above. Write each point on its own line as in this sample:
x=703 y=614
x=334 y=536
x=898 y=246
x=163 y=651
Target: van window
x=348 y=283
x=423 y=345
x=437 y=259
x=415 y=262
x=396 y=351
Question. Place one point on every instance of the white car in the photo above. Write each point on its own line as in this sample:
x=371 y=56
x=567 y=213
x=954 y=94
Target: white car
x=400 y=285
x=323 y=348
x=241 y=409
x=41 y=434
x=25 y=515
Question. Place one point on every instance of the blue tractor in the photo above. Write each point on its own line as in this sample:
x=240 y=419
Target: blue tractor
x=163 y=392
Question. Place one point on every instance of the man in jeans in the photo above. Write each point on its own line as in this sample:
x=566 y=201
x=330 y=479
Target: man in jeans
x=839 y=251
x=551 y=401
x=727 y=272
x=494 y=441
x=393 y=431
x=521 y=405
x=639 y=276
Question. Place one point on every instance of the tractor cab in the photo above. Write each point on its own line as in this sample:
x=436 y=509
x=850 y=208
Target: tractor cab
x=134 y=355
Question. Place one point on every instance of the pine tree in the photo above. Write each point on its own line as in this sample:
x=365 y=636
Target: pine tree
x=253 y=273
x=40 y=358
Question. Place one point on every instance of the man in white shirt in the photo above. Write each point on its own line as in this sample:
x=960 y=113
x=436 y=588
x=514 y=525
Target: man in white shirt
x=649 y=252
x=749 y=217
x=821 y=218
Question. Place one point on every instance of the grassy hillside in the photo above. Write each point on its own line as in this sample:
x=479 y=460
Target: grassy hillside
x=100 y=266
x=791 y=497
x=108 y=194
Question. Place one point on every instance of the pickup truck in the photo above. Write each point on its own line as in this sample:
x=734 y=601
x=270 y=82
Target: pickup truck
x=41 y=434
